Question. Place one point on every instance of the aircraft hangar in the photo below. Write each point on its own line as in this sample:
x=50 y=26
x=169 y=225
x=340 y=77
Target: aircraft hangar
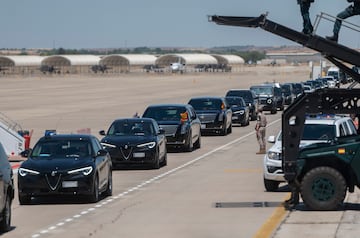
x=201 y=62
x=71 y=63
x=117 y=63
x=120 y=63
x=20 y=64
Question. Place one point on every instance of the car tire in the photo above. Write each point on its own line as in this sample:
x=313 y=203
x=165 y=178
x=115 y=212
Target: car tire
x=156 y=164
x=189 y=145
x=108 y=191
x=229 y=130
x=271 y=185
x=323 y=189
x=5 y=224
x=164 y=162
x=197 y=144
x=224 y=130
x=24 y=199
x=94 y=197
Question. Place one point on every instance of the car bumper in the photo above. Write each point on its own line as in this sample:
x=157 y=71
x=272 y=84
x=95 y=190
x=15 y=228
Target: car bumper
x=239 y=118
x=273 y=170
x=47 y=185
x=134 y=157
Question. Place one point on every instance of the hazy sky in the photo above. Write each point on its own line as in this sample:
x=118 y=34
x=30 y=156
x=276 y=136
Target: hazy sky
x=76 y=24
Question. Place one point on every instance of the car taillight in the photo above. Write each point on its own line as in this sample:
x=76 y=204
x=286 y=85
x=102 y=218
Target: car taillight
x=183 y=117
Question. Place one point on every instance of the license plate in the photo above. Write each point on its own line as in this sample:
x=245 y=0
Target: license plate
x=235 y=117
x=203 y=126
x=70 y=184
x=139 y=155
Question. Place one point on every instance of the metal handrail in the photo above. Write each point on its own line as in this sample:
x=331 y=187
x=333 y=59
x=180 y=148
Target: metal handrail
x=331 y=18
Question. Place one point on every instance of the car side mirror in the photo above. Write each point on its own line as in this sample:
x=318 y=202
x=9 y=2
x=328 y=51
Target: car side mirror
x=102 y=133
x=25 y=153
x=161 y=131
x=271 y=139
x=101 y=153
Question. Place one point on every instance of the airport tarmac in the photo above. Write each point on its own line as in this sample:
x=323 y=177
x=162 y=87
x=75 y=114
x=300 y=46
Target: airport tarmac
x=77 y=102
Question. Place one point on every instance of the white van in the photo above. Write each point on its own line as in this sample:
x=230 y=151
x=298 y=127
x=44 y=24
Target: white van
x=335 y=72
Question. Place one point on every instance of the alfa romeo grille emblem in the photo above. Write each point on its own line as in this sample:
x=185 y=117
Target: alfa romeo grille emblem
x=126 y=147
x=53 y=173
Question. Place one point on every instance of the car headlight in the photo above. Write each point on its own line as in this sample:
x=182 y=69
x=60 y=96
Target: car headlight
x=107 y=145
x=23 y=172
x=149 y=145
x=220 y=117
x=241 y=112
x=85 y=171
x=274 y=155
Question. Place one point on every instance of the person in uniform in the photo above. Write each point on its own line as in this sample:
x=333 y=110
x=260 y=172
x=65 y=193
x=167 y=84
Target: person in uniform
x=352 y=10
x=304 y=9
x=260 y=129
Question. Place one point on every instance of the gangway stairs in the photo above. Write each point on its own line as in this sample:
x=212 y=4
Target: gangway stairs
x=336 y=53
x=10 y=136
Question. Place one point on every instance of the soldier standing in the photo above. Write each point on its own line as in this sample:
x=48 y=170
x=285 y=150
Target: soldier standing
x=260 y=129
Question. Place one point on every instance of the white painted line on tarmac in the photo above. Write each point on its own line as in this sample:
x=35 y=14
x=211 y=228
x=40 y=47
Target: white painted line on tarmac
x=145 y=183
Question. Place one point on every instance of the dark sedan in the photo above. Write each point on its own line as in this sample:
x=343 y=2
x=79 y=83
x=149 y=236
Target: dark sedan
x=180 y=122
x=135 y=141
x=69 y=164
x=249 y=97
x=214 y=113
x=240 y=111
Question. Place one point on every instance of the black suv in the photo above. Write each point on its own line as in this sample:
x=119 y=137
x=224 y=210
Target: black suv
x=215 y=114
x=7 y=191
x=180 y=122
x=270 y=97
x=249 y=97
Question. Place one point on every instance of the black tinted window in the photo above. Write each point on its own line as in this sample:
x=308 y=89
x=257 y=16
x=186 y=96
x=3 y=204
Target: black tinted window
x=164 y=113
x=206 y=104
x=61 y=148
x=128 y=128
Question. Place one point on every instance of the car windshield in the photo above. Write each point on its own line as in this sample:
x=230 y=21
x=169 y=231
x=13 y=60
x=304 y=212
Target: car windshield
x=61 y=149
x=317 y=132
x=262 y=90
x=206 y=104
x=246 y=95
x=286 y=89
x=165 y=113
x=233 y=101
x=130 y=128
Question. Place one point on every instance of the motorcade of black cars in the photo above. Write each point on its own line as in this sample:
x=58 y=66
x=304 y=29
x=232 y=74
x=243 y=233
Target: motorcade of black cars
x=270 y=96
x=65 y=164
x=249 y=97
x=135 y=141
x=6 y=191
x=214 y=112
x=240 y=110
x=180 y=123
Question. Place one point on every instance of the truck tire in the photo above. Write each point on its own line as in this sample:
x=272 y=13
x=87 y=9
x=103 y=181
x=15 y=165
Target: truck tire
x=323 y=188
